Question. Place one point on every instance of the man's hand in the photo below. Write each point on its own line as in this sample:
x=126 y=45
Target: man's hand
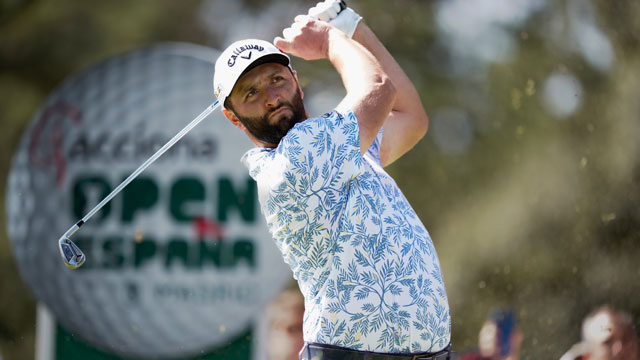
x=335 y=13
x=407 y=122
x=370 y=91
x=325 y=10
x=305 y=38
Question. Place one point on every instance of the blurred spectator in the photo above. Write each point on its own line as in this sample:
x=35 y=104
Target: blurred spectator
x=607 y=334
x=284 y=318
x=499 y=338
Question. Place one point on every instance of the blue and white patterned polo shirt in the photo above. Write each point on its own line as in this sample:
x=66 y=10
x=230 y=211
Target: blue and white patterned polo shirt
x=363 y=260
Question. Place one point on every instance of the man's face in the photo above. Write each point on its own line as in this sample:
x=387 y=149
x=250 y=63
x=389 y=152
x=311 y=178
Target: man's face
x=268 y=102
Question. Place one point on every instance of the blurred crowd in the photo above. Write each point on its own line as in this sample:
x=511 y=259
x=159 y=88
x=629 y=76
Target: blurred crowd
x=499 y=338
x=608 y=333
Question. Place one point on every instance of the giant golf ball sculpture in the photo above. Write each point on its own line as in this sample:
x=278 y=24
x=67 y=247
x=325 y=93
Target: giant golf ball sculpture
x=180 y=261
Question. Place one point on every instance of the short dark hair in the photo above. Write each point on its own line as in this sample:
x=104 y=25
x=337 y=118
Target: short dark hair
x=227 y=104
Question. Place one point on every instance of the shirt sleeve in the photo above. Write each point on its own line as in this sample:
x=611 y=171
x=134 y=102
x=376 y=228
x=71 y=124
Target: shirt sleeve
x=374 y=150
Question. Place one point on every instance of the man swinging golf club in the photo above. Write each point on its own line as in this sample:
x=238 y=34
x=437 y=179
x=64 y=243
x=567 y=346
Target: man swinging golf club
x=365 y=263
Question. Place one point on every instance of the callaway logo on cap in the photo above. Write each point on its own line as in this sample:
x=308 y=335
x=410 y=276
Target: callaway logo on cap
x=239 y=58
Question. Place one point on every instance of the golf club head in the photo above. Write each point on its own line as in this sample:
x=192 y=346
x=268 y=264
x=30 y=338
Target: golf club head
x=71 y=254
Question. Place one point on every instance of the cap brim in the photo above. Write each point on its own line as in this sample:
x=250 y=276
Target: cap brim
x=269 y=58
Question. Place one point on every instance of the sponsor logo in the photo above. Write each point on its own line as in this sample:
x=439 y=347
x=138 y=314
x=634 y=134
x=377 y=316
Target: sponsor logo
x=238 y=52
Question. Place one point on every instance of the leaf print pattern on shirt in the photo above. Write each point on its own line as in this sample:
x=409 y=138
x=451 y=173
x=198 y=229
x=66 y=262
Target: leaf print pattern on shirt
x=363 y=259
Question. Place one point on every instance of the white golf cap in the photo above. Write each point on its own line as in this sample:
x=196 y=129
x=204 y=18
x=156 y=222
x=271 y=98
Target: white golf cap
x=239 y=58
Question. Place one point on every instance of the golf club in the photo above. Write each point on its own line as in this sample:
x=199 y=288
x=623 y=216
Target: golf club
x=71 y=254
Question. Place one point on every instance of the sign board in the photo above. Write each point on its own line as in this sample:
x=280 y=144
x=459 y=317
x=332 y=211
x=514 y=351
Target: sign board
x=181 y=261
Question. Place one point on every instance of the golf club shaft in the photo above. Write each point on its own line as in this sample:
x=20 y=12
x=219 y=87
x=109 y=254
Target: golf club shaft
x=144 y=165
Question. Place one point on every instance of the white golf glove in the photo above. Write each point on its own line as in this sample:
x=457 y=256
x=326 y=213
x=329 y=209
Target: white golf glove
x=329 y=11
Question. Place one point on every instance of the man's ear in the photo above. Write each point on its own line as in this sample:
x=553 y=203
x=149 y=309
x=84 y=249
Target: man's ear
x=295 y=76
x=233 y=118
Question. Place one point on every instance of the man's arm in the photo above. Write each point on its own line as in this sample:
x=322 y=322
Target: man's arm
x=370 y=91
x=407 y=122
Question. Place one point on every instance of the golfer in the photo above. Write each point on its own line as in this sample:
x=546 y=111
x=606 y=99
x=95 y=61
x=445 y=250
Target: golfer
x=363 y=260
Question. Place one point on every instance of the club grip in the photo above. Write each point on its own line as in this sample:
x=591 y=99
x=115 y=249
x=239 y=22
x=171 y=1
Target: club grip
x=343 y=5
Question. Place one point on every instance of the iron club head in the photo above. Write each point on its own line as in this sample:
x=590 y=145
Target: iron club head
x=71 y=254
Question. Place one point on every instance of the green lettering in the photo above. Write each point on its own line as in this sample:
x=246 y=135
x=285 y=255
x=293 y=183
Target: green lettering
x=80 y=189
x=177 y=250
x=184 y=191
x=143 y=251
x=141 y=193
x=243 y=249
x=112 y=253
x=244 y=202
x=211 y=252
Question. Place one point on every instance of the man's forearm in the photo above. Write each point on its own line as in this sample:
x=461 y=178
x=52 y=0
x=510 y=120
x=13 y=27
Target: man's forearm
x=370 y=92
x=359 y=69
x=408 y=99
x=407 y=122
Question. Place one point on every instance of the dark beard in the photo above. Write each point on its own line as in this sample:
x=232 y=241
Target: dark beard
x=260 y=128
